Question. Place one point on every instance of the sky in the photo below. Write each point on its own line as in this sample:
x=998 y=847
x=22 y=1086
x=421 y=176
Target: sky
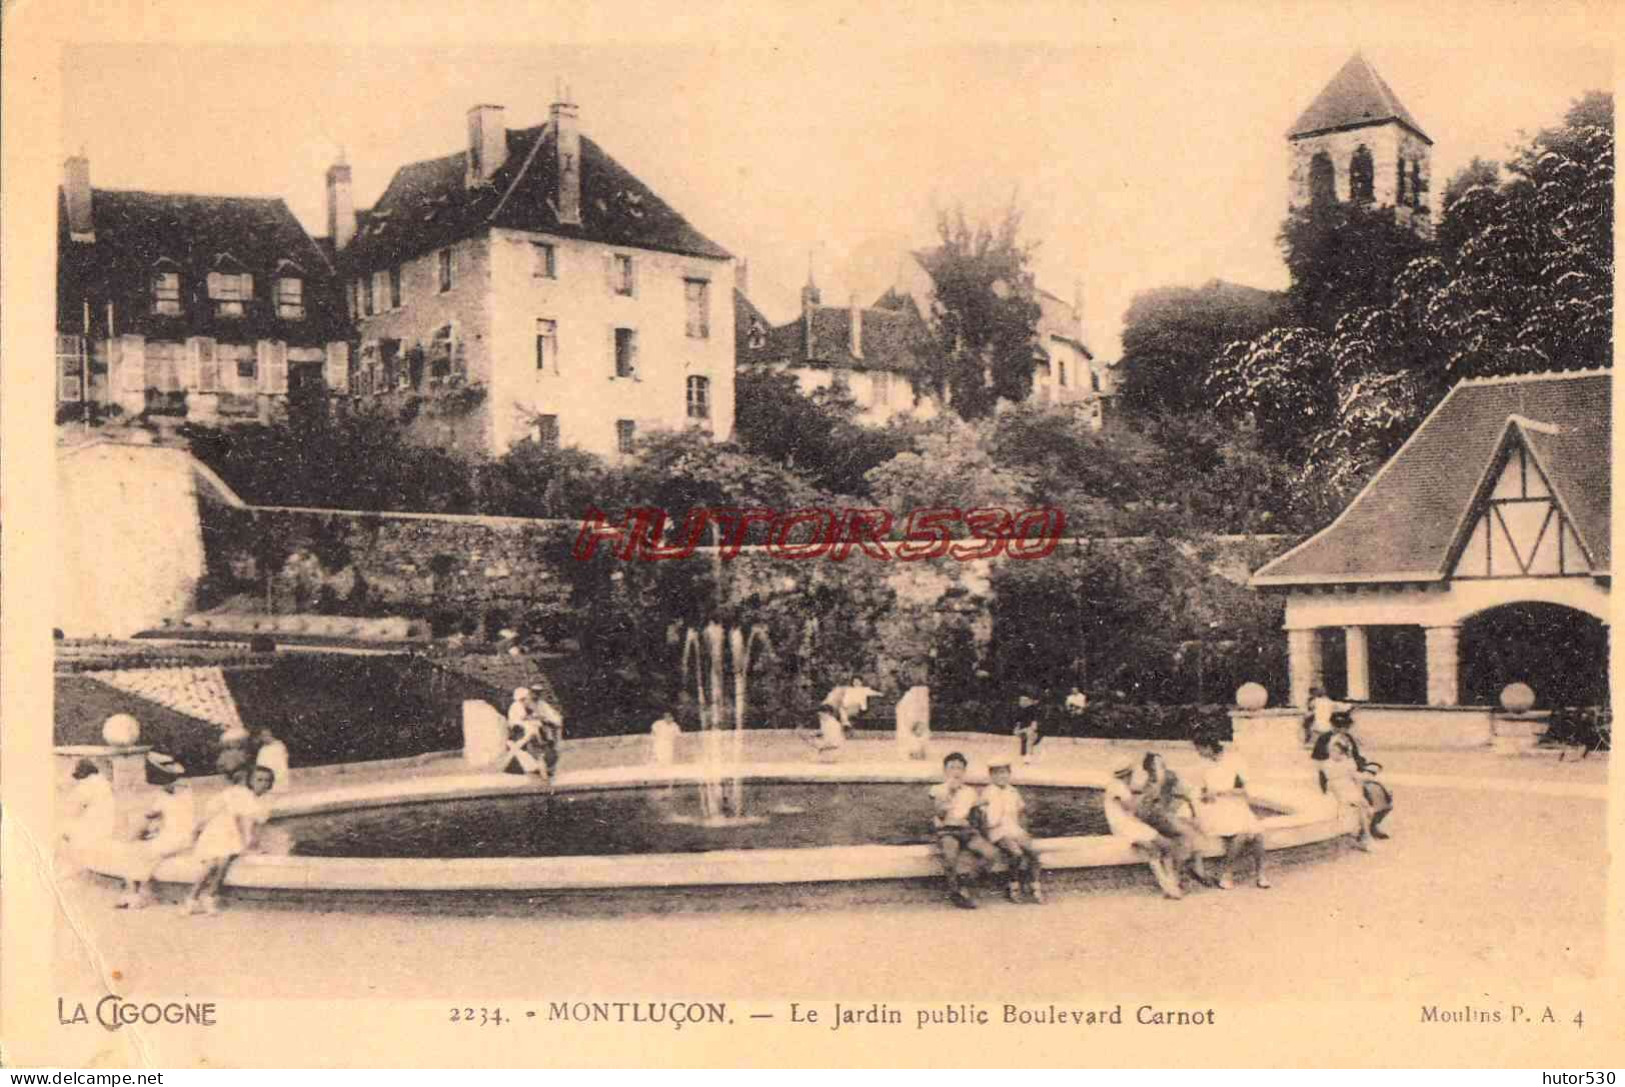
x=1145 y=143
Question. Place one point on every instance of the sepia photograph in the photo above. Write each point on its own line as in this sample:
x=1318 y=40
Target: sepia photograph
x=1070 y=535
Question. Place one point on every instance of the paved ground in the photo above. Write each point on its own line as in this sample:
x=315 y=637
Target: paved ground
x=1496 y=872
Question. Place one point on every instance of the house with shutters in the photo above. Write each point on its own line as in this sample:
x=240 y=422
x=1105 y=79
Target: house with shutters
x=1478 y=556
x=216 y=309
x=529 y=288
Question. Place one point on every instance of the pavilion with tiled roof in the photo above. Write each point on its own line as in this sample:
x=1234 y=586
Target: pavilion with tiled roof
x=1500 y=498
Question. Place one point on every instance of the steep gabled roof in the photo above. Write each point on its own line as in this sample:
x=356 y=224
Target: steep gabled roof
x=428 y=205
x=888 y=340
x=1407 y=524
x=1357 y=96
x=134 y=229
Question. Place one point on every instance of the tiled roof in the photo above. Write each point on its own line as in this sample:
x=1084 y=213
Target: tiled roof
x=745 y=315
x=1356 y=96
x=138 y=228
x=888 y=338
x=1408 y=523
x=134 y=230
x=428 y=205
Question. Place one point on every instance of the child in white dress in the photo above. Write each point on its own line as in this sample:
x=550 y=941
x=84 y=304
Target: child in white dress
x=230 y=826
x=1225 y=811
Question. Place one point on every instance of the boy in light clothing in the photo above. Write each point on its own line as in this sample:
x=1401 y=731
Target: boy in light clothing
x=1004 y=815
x=956 y=810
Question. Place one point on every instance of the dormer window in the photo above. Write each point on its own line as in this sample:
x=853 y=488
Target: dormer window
x=290 y=292
x=756 y=338
x=166 y=289
x=230 y=288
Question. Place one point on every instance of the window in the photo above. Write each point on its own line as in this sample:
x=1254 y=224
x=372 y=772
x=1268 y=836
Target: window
x=621 y=274
x=441 y=350
x=699 y=397
x=1322 y=180
x=547 y=345
x=392 y=373
x=626 y=431
x=444 y=257
x=395 y=287
x=697 y=296
x=756 y=338
x=70 y=368
x=1419 y=188
x=246 y=368
x=230 y=292
x=547 y=260
x=367 y=298
x=546 y=431
x=626 y=353
x=1401 y=196
x=380 y=289
x=1362 y=174
x=290 y=297
x=352 y=297
x=1060 y=372
x=166 y=291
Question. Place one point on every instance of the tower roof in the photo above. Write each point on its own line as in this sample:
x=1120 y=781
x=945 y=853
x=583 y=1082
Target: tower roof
x=1355 y=97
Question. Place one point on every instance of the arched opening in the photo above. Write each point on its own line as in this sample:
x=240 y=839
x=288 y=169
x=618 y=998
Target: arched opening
x=1560 y=652
x=1322 y=180
x=1362 y=176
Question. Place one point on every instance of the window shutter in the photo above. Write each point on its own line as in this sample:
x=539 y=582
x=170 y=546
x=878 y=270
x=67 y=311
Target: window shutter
x=132 y=363
x=189 y=364
x=632 y=262
x=609 y=272
x=459 y=360
x=262 y=365
x=279 y=366
x=614 y=371
x=337 y=370
x=632 y=354
x=208 y=365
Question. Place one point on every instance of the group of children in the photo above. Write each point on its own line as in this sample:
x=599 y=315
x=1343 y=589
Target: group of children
x=976 y=826
x=1344 y=774
x=171 y=825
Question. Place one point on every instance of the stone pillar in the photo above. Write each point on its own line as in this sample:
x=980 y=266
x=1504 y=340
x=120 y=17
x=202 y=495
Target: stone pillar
x=1443 y=645
x=1303 y=663
x=1359 y=664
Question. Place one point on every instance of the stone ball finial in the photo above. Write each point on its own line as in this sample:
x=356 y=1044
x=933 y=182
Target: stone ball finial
x=121 y=730
x=1252 y=696
x=1517 y=698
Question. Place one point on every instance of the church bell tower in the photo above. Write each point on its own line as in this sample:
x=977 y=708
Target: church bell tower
x=1357 y=143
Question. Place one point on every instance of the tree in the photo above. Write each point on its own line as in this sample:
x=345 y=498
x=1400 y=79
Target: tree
x=1342 y=256
x=1172 y=334
x=817 y=436
x=951 y=469
x=1522 y=281
x=981 y=341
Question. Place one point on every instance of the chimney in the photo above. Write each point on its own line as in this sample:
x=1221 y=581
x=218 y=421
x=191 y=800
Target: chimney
x=487 y=143
x=340 y=204
x=809 y=302
x=857 y=327
x=76 y=188
x=567 y=142
x=742 y=278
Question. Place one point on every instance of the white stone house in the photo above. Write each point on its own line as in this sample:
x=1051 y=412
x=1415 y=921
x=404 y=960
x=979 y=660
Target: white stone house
x=529 y=287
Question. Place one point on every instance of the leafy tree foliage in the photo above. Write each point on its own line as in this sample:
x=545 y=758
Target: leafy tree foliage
x=1172 y=334
x=817 y=436
x=951 y=469
x=1523 y=282
x=1341 y=256
x=984 y=315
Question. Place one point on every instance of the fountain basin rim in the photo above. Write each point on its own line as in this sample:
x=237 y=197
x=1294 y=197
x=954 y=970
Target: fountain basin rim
x=1307 y=817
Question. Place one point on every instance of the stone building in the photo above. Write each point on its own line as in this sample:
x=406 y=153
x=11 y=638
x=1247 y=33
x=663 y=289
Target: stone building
x=1358 y=143
x=867 y=350
x=529 y=287
x=216 y=308
x=1478 y=556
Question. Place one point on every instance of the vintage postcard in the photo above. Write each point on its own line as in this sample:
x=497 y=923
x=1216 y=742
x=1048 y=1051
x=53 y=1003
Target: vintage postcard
x=766 y=535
